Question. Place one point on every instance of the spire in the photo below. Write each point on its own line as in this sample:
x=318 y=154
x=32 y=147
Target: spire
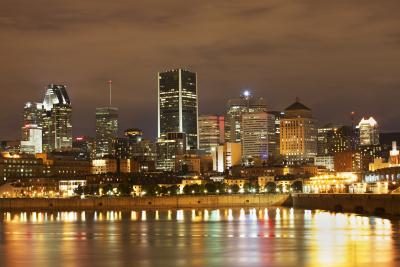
x=110 y=86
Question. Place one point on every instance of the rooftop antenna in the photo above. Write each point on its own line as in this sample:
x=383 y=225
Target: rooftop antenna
x=110 y=86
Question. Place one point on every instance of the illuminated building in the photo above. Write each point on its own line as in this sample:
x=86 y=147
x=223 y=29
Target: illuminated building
x=211 y=132
x=331 y=183
x=110 y=165
x=298 y=140
x=347 y=161
x=332 y=139
x=33 y=114
x=278 y=115
x=57 y=127
x=66 y=188
x=168 y=149
x=258 y=137
x=16 y=167
x=235 y=108
x=84 y=146
x=134 y=135
x=178 y=105
x=369 y=133
x=226 y=156
x=106 y=131
x=31 y=141
x=394 y=154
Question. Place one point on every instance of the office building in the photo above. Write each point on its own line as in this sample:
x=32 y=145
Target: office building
x=211 y=132
x=298 y=141
x=235 y=109
x=369 y=132
x=258 y=137
x=169 y=149
x=31 y=142
x=106 y=131
x=178 y=105
x=57 y=127
x=227 y=156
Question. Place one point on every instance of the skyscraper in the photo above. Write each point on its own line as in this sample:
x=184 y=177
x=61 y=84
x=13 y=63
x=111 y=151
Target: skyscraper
x=31 y=141
x=236 y=107
x=298 y=134
x=178 y=105
x=369 y=134
x=211 y=132
x=258 y=137
x=106 y=131
x=57 y=127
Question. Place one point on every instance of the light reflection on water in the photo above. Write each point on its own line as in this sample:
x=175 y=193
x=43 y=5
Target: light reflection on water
x=197 y=237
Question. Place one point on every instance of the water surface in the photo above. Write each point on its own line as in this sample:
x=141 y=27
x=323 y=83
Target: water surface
x=199 y=237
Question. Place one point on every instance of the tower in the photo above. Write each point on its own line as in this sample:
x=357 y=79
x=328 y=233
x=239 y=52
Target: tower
x=178 y=105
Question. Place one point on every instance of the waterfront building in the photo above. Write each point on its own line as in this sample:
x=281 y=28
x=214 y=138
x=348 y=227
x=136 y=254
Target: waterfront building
x=106 y=131
x=56 y=124
x=236 y=107
x=298 y=140
x=178 y=105
x=211 y=132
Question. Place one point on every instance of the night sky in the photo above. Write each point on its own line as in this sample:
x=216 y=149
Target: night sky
x=337 y=56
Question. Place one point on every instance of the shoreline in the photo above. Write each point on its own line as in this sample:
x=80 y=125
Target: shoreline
x=130 y=203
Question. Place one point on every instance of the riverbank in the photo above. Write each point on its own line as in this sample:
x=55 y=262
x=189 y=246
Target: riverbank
x=372 y=204
x=127 y=203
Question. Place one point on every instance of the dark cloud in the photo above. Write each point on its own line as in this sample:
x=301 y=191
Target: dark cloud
x=337 y=56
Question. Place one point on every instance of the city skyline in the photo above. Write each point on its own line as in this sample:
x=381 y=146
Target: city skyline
x=279 y=50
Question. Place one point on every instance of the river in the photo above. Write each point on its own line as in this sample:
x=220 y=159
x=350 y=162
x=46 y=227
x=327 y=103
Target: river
x=198 y=237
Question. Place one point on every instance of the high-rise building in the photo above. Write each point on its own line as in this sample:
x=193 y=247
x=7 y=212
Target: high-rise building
x=134 y=135
x=178 y=105
x=106 y=131
x=298 y=142
x=369 y=133
x=258 y=137
x=33 y=114
x=211 y=132
x=333 y=139
x=235 y=109
x=31 y=142
x=57 y=127
x=227 y=156
x=168 y=149
x=277 y=115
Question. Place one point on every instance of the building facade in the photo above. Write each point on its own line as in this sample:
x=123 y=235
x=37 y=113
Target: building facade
x=57 y=126
x=178 y=105
x=106 y=131
x=211 y=132
x=236 y=107
x=298 y=140
x=258 y=137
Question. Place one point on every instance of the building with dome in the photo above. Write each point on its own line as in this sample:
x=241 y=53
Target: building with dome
x=298 y=135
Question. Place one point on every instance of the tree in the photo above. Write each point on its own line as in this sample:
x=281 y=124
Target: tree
x=235 y=188
x=211 y=187
x=79 y=190
x=107 y=188
x=270 y=187
x=297 y=186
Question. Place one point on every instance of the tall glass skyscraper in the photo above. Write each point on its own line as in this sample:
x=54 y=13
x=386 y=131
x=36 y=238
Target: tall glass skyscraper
x=106 y=131
x=57 y=127
x=178 y=105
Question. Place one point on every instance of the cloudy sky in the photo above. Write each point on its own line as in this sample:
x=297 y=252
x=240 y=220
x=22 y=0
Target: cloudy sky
x=337 y=56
